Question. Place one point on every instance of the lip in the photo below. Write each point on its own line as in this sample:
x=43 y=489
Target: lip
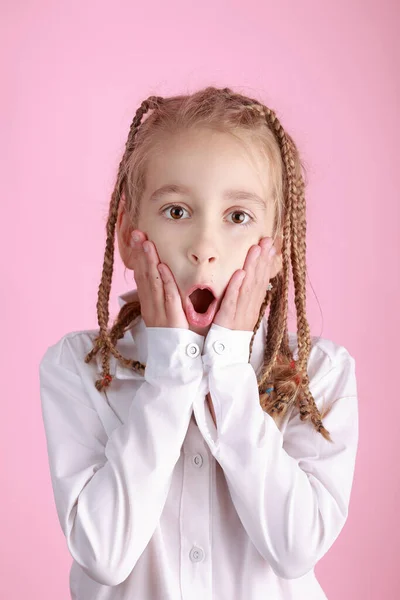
x=200 y=319
x=203 y=286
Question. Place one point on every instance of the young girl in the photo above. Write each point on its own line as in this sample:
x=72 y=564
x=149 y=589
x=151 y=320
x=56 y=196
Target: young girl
x=197 y=449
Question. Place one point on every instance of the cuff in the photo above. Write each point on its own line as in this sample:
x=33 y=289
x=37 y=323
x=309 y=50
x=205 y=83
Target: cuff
x=174 y=353
x=224 y=346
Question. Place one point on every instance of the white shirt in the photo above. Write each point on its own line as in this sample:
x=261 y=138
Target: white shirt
x=156 y=503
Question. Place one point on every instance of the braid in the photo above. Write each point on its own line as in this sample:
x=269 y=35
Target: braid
x=105 y=342
x=293 y=247
x=286 y=380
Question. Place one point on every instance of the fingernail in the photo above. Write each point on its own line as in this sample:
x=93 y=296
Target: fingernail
x=272 y=251
x=135 y=237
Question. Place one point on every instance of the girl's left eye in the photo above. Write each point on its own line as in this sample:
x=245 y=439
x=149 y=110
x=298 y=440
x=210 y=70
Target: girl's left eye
x=234 y=212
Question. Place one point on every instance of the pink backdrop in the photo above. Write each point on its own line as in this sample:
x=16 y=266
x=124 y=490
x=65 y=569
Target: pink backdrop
x=73 y=74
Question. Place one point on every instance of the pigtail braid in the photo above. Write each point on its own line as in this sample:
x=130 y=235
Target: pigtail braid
x=105 y=342
x=293 y=247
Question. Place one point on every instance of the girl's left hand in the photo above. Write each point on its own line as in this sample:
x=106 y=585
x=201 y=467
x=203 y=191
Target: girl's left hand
x=240 y=307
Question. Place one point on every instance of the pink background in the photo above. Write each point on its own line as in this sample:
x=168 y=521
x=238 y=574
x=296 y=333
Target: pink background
x=73 y=74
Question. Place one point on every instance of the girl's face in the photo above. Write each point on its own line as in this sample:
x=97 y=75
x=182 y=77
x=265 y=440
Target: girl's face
x=206 y=201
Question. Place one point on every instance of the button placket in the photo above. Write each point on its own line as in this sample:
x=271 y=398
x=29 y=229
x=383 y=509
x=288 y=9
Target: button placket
x=197 y=460
x=196 y=554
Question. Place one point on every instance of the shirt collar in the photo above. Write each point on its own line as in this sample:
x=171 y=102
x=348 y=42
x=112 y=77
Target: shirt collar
x=134 y=343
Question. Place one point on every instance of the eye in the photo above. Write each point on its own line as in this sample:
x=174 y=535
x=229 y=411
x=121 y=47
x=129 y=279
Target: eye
x=241 y=212
x=177 y=208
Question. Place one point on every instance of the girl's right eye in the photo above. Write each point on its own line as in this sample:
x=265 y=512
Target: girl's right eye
x=174 y=206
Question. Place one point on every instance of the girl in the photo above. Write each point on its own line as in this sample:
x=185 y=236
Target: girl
x=198 y=449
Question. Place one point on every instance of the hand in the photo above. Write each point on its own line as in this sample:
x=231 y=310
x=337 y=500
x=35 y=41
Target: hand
x=240 y=307
x=159 y=297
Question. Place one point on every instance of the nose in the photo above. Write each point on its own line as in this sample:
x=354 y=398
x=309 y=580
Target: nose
x=199 y=259
x=204 y=253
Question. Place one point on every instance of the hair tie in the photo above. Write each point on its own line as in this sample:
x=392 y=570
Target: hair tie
x=297 y=377
x=269 y=287
x=106 y=378
x=268 y=390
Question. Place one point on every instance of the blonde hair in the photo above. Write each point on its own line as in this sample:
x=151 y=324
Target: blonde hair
x=226 y=111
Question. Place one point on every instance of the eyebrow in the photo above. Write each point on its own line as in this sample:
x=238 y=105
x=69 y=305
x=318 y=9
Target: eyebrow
x=228 y=194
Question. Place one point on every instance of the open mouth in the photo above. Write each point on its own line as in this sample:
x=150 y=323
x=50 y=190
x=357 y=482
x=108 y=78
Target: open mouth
x=201 y=307
x=201 y=300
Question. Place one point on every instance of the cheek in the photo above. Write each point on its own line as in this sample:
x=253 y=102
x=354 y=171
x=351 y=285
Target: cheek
x=239 y=252
x=163 y=243
x=168 y=255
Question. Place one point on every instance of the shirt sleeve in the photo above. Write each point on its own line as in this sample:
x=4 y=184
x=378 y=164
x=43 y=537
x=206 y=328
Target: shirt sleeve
x=291 y=490
x=110 y=492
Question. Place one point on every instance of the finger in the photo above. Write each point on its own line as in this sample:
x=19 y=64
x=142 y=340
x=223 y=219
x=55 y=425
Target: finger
x=228 y=306
x=137 y=239
x=139 y=265
x=248 y=292
x=263 y=266
x=172 y=299
x=154 y=283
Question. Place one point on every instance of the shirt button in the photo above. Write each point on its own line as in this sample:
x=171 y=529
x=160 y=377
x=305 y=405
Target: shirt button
x=219 y=347
x=196 y=554
x=197 y=460
x=193 y=350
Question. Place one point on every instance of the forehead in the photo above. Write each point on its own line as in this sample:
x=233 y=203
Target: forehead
x=208 y=157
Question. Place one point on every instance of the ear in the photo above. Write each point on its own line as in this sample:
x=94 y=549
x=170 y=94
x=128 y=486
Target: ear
x=277 y=263
x=121 y=210
x=123 y=229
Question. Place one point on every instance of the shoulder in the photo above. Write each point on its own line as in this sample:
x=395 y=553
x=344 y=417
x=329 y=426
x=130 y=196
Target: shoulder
x=69 y=353
x=70 y=350
x=329 y=363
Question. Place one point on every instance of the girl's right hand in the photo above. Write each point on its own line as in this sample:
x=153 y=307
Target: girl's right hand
x=160 y=300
